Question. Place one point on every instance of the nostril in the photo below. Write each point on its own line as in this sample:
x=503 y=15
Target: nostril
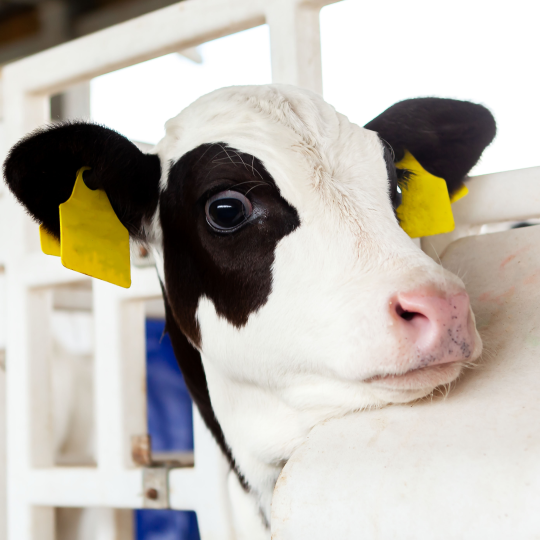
x=406 y=315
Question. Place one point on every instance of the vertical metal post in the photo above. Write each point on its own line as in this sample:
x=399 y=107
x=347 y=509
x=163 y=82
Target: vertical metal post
x=295 y=43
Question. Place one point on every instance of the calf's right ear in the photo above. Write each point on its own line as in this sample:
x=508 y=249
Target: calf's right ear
x=446 y=136
x=41 y=169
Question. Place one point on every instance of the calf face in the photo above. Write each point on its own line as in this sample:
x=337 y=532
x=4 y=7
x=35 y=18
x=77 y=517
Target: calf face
x=292 y=293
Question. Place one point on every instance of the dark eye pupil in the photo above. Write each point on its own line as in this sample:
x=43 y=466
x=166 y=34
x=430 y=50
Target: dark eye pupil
x=227 y=213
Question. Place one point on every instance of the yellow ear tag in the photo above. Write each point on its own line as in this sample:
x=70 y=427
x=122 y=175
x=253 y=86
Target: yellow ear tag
x=93 y=240
x=425 y=208
x=49 y=244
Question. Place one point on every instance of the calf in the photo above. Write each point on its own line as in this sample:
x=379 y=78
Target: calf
x=292 y=294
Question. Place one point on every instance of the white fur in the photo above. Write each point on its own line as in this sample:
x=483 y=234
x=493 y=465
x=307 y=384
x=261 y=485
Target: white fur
x=303 y=357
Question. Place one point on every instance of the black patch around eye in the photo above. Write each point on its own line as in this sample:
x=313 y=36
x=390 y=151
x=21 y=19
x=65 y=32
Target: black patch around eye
x=232 y=268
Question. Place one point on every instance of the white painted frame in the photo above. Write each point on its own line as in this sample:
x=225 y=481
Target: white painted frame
x=493 y=198
x=35 y=484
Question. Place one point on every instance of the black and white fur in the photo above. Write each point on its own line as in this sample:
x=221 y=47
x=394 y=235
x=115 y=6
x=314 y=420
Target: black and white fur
x=281 y=323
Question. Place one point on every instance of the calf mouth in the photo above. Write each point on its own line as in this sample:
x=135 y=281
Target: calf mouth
x=420 y=378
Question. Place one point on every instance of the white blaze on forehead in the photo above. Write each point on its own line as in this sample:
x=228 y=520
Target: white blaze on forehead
x=312 y=152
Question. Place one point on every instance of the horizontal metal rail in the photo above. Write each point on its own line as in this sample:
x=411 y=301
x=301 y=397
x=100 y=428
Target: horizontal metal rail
x=498 y=197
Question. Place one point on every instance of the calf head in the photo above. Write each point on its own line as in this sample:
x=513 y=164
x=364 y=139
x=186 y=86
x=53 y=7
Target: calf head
x=292 y=292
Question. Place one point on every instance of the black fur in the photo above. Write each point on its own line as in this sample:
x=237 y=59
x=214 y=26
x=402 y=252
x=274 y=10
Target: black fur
x=40 y=170
x=233 y=270
x=446 y=136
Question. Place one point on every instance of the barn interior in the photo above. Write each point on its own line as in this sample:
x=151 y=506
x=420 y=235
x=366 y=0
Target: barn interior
x=481 y=68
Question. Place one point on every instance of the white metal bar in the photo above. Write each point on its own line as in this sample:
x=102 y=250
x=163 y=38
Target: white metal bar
x=21 y=418
x=295 y=44
x=75 y=102
x=108 y=384
x=504 y=196
x=164 y=31
x=83 y=487
x=37 y=270
x=211 y=470
x=493 y=198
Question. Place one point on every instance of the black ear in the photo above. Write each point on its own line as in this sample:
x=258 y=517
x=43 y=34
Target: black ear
x=446 y=136
x=41 y=169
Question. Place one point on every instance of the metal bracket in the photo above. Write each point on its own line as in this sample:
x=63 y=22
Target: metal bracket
x=156 y=487
x=141 y=450
x=155 y=475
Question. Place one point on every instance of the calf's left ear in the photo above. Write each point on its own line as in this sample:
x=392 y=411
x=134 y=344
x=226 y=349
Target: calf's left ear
x=446 y=136
x=41 y=170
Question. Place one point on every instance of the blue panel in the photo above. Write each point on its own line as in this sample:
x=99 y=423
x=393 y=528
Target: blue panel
x=170 y=423
x=166 y=525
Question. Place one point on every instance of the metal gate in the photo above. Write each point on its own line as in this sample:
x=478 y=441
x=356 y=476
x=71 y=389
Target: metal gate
x=36 y=484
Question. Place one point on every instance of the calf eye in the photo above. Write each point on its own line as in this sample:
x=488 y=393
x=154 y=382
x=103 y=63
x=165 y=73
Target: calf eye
x=227 y=211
